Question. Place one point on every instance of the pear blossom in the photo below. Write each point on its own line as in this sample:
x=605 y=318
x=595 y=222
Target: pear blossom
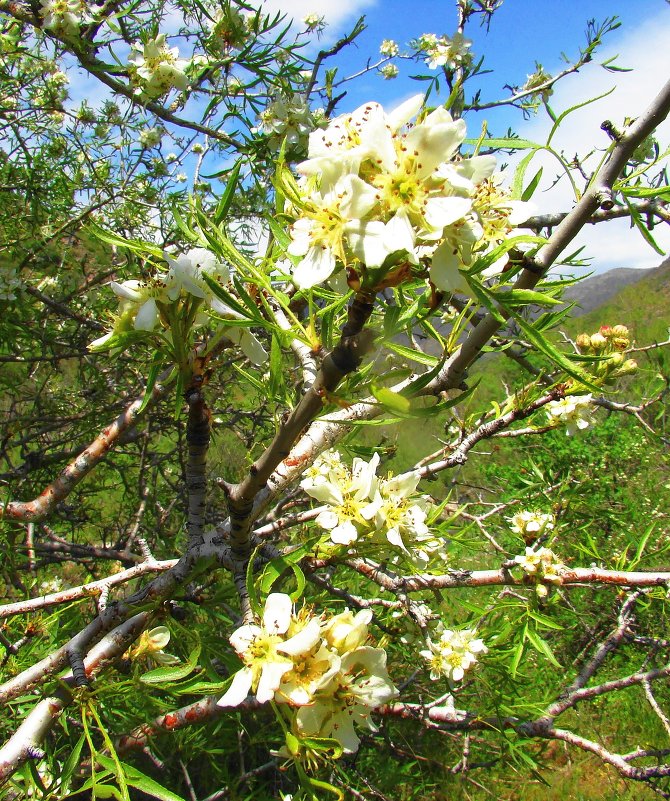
x=151 y=644
x=361 y=685
x=397 y=513
x=317 y=235
x=144 y=298
x=347 y=631
x=230 y=28
x=267 y=651
x=575 y=411
x=157 y=67
x=10 y=283
x=150 y=137
x=63 y=17
x=542 y=565
x=287 y=118
x=453 y=654
x=348 y=500
x=531 y=524
x=443 y=51
x=321 y=667
x=389 y=71
x=314 y=22
x=389 y=48
x=188 y=271
x=359 y=504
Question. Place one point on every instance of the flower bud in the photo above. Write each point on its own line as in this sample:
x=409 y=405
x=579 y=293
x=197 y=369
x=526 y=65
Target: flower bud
x=620 y=331
x=598 y=341
x=606 y=330
x=629 y=366
x=615 y=360
x=583 y=343
x=620 y=343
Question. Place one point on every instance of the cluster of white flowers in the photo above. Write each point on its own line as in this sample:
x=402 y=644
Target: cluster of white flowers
x=360 y=504
x=230 y=28
x=389 y=48
x=289 y=119
x=320 y=666
x=141 y=301
x=575 y=412
x=51 y=585
x=314 y=22
x=453 y=654
x=157 y=68
x=542 y=565
x=389 y=71
x=150 y=137
x=64 y=17
x=443 y=51
x=10 y=283
x=531 y=525
x=376 y=194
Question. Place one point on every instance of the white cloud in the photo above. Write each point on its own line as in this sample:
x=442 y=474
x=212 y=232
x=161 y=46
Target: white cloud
x=645 y=50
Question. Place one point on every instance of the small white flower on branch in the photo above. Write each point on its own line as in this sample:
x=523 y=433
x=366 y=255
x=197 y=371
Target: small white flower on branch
x=531 y=525
x=575 y=412
x=157 y=68
x=541 y=565
x=453 y=654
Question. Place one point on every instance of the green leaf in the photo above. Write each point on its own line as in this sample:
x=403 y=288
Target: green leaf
x=524 y=297
x=543 y=620
x=274 y=569
x=170 y=673
x=254 y=600
x=279 y=234
x=412 y=355
x=503 y=143
x=106 y=791
x=140 y=781
x=228 y=193
x=391 y=401
x=136 y=245
x=518 y=654
x=277 y=384
x=560 y=359
x=225 y=296
x=154 y=369
x=529 y=191
x=541 y=646
x=642 y=228
x=568 y=111
x=71 y=763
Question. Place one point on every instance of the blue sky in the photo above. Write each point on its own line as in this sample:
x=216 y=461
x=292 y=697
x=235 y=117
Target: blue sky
x=521 y=33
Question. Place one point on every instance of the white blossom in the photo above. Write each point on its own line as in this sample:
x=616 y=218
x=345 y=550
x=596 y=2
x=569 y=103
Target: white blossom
x=453 y=654
x=575 y=412
x=531 y=524
x=158 y=67
x=64 y=17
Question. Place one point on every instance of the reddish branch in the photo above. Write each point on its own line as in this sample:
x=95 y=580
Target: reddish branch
x=71 y=475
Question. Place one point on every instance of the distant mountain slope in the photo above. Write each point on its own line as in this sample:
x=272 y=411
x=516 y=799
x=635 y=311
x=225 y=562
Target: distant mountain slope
x=592 y=292
x=644 y=306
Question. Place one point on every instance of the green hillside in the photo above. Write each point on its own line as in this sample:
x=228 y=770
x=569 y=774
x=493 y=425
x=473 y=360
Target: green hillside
x=643 y=306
